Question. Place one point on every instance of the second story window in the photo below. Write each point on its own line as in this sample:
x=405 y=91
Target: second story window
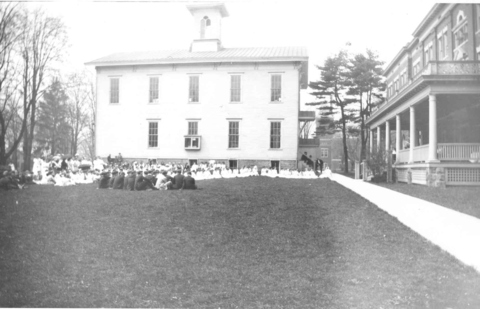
x=324 y=152
x=276 y=88
x=235 y=88
x=428 y=54
x=114 y=90
x=192 y=128
x=153 y=93
x=461 y=35
x=193 y=89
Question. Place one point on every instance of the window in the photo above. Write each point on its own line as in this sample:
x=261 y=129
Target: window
x=193 y=89
x=428 y=54
x=192 y=128
x=233 y=134
x=114 y=90
x=153 y=90
x=276 y=90
x=153 y=134
x=204 y=23
x=235 y=86
x=192 y=142
x=443 y=44
x=461 y=35
x=233 y=164
x=324 y=152
x=275 y=134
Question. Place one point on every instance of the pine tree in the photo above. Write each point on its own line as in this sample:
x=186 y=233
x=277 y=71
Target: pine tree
x=52 y=127
x=333 y=99
x=367 y=85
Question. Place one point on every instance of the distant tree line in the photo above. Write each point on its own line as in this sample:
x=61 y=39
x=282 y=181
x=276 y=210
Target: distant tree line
x=40 y=110
x=349 y=87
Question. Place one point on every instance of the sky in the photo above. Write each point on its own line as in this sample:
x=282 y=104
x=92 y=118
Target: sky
x=97 y=29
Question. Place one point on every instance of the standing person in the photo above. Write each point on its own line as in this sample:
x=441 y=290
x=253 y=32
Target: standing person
x=130 y=186
x=320 y=161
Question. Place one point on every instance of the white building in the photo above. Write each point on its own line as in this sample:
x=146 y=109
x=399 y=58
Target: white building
x=209 y=102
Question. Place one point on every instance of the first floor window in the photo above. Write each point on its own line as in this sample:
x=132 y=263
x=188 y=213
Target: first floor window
x=233 y=134
x=232 y=164
x=153 y=134
x=192 y=128
x=324 y=152
x=153 y=90
x=275 y=134
x=193 y=89
x=114 y=90
x=276 y=90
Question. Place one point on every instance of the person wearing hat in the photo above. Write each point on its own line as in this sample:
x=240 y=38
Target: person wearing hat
x=104 y=180
x=129 y=184
x=142 y=183
x=112 y=179
x=118 y=181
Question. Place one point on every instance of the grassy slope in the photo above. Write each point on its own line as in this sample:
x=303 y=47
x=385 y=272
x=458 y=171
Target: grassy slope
x=245 y=243
x=462 y=199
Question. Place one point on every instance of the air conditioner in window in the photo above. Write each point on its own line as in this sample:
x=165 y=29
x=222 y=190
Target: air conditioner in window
x=193 y=142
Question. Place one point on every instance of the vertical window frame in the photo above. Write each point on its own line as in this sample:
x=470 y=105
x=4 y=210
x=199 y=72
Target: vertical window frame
x=152 y=134
x=235 y=88
x=192 y=128
x=275 y=134
x=233 y=134
x=276 y=88
x=154 y=89
x=114 y=90
x=194 y=89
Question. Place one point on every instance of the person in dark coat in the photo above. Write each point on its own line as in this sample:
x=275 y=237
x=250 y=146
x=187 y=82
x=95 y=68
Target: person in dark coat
x=118 y=182
x=130 y=181
x=104 y=180
x=112 y=179
x=142 y=183
x=178 y=181
x=189 y=182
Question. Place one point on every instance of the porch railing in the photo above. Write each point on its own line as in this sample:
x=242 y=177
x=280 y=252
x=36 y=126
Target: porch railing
x=458 y=152
x=420 y=153
x=403 y=155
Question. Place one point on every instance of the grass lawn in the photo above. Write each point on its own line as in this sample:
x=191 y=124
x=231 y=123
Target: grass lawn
x=239 y=243
x=462 y=199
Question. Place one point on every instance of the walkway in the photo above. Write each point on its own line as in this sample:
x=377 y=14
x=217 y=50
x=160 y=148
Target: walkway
x=454 y=232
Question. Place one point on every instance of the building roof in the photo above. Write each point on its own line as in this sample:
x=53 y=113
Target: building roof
x=251 y=54
x=220 y=6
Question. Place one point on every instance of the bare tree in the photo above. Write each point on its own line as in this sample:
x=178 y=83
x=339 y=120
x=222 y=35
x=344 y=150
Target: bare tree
x=78 y=88
x=89 y=142
x=43 y=41
x=9 y=38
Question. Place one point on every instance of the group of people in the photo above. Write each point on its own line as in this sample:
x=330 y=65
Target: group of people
x=63 y=170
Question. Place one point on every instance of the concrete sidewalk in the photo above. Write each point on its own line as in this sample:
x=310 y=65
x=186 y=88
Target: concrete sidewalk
x=454 y=232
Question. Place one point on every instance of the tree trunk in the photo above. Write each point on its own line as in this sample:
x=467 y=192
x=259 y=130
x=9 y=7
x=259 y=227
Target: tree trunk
x=344 y=139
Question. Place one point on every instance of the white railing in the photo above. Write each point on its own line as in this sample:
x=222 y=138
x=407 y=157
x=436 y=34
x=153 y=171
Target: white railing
x=458 y=152
x=420 y=153
x=403 y=155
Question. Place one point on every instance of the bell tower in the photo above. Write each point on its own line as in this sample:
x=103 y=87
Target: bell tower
x=207 y=26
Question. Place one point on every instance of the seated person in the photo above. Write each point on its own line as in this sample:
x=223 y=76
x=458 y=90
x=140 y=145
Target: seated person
x=189 y=182
x=130 y=183
x=178 y=181
x=118 y=181
x=142 y=183
x=162 y=181
x=7 y=182
x=104 y=180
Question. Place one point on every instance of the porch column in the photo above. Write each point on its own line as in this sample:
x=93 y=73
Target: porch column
x=412 y=133
x=432 y=128
x=378 y=137
x=371 y=140
x=387 y=135
x=399 y=134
